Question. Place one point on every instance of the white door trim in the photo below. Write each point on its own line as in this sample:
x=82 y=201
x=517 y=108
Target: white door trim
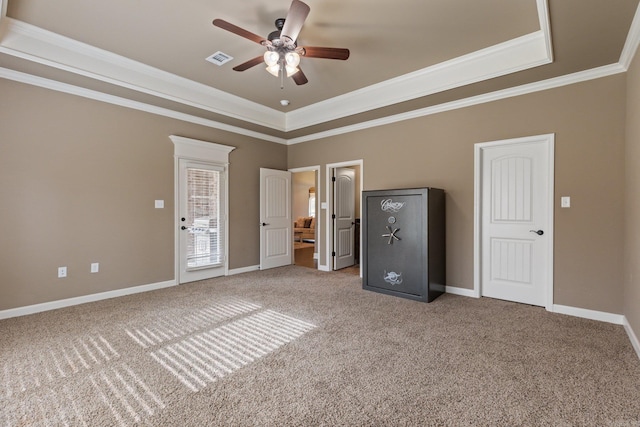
x=328 y=207
x=549 y=139
x=205 y=152
x=319 y=227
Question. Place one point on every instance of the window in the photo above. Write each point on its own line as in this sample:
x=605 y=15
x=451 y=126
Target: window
x=204 y=242
x=312 y=202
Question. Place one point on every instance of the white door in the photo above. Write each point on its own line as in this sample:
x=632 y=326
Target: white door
x=276 y=226
x=517 y=220
x=202 y=201
x=344 y=203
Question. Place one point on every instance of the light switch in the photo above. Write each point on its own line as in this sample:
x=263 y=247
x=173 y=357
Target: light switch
x=159 y=204
x=324 y=205
x=565 y=202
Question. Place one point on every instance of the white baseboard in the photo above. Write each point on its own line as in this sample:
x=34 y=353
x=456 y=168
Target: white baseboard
x=601 y=316
x=235 y=271
x=632 y=336
x=53 y=305
x=460 y=291
x=324 y=267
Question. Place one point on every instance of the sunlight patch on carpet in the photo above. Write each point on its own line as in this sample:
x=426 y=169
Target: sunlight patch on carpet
x=129 y=399
x=203 y=358
x=69 y=380
x=57 y=361
x=168 y=327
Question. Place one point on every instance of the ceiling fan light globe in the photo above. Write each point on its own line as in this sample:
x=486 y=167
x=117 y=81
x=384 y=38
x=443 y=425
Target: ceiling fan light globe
x=291 y=70
x=271 y=58
x=292 y=59
x=274 y=69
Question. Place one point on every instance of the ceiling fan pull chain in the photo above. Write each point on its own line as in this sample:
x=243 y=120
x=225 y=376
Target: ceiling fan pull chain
x=281 y=74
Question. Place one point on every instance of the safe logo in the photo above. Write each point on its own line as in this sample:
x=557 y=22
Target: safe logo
x=392 y=277
x=388 y=205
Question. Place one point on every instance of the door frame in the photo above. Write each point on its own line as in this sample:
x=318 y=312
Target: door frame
x=327 y=207
x=319 y=227
x=201 y=152
x=549 y=140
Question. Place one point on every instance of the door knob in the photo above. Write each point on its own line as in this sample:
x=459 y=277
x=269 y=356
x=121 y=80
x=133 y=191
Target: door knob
x=264 y=224
x=538 y=232
x=183 y=228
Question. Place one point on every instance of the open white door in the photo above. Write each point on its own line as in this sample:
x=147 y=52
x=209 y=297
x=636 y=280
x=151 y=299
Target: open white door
x=344 y=194
x=276 y=225
x=517 y=220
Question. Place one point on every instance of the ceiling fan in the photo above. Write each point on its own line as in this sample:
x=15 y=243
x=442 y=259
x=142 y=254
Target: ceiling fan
x=283 y=54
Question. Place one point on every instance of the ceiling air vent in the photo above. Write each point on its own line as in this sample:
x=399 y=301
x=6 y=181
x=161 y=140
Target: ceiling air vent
x=219 y=58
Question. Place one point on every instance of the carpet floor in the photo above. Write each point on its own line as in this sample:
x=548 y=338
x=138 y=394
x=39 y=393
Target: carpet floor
x=293 y=346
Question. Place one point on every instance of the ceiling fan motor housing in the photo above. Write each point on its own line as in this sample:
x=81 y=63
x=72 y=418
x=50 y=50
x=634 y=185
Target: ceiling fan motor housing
x=276 y=39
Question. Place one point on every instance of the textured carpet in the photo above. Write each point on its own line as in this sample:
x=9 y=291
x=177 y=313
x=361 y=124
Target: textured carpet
x=294 y=346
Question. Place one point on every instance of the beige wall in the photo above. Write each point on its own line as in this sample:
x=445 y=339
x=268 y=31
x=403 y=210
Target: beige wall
x=78 y=180
x=632 y=224
x=588 y=120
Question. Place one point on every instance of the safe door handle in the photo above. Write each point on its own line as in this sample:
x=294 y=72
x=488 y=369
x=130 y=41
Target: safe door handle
x=538 y=232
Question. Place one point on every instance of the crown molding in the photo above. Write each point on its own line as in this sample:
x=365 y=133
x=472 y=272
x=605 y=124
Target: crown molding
x=45 y=47
x=633 y=41
x=29 y=79
x=545 y=25
x=552 y=83
x=467 y=102
x=514 y=55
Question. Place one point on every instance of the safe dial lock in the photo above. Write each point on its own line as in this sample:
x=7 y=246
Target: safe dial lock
x=391 y=234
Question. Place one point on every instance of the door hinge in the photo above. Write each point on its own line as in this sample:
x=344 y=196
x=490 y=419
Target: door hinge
x=333 y=216
x=333 y=178
x=333 y=253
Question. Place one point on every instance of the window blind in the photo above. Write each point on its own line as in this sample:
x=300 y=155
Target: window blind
x=205 y=218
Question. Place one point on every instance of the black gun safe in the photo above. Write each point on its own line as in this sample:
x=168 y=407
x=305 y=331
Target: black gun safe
x=403 y=234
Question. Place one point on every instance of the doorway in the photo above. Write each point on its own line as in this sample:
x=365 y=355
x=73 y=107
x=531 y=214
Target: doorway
x=305 y=209
x=514 y=220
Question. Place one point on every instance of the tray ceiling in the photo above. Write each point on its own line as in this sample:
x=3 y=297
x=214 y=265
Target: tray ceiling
x=405 y=56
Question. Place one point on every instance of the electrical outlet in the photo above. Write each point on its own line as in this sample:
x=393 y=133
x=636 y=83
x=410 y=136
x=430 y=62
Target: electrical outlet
x=62 y=272
x=565 y=202
x=95 y=267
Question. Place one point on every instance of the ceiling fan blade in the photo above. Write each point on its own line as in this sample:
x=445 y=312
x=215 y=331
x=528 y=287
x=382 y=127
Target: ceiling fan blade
x=299 y=77
x=250 y=63
x=295 y=19
x=220 y=23
x=325 y=52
